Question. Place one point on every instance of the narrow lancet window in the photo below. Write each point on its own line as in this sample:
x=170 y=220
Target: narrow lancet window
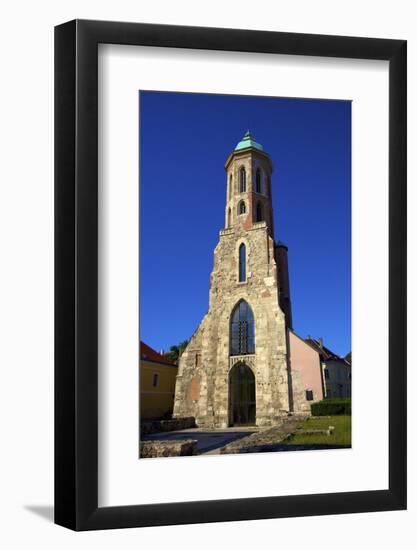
x=241 y=208
x=259 y=212
x=242 y=180
x=242 y=263
x=258 y=185
x=229 y=216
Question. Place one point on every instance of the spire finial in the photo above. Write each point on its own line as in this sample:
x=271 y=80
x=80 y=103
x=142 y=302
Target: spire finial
x=248 y=141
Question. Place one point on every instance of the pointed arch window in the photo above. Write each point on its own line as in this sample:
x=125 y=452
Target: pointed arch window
x=242 y=330
x=259 y=212
x=258 y=181
x=241 y=209
x=242 y=180
x=242 y=263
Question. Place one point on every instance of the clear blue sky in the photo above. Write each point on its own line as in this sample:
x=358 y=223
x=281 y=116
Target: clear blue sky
x=184 y=142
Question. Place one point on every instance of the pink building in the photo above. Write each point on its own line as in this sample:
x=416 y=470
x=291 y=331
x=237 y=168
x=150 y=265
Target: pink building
x=305 y=368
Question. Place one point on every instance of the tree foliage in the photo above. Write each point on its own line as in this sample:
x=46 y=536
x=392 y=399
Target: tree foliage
x=176 y=351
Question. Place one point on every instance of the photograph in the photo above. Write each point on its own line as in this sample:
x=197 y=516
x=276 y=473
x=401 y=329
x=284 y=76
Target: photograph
x=244 y=274
x=206 y=214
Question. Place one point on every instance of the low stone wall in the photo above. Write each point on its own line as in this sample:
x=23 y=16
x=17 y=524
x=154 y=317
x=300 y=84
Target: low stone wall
x=171 y=425
x=154 y=449
x=267 y=439
x=329 y=431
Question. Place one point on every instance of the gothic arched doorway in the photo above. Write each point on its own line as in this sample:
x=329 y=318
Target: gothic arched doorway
x=242 y=396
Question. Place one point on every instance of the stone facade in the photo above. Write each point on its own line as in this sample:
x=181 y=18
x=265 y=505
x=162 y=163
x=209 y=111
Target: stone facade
x=157 y=449
x=171 y=425
x=259 y=277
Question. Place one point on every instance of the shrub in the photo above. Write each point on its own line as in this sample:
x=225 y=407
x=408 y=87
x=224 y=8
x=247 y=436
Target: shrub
x=329 y=407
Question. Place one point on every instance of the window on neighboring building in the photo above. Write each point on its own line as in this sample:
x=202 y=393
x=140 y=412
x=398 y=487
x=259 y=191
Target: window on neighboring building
x=259 y=212
x=242 y=330
x=242 y=207
x=326 y=374
x=242 y=180
x=258 y=180
x=155 y=380
x=309 y=395
x=242 y=263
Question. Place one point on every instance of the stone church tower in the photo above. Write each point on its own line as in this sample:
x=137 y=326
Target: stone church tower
x=236 y=369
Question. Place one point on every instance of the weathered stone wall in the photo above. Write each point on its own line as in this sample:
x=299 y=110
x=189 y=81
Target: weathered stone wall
x=171 y=425
x=190 y=385
x=202 y=388
x=155 y=449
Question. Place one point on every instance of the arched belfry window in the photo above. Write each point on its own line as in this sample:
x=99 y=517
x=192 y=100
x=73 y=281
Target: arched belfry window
x=258 y=181
x=242 y=263
x=242 y=330
x=259 y=212
x=241 y=209
x=230 y=185
x=242 y=180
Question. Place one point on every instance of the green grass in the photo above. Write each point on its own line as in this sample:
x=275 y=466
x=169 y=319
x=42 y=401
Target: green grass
x=342 y=434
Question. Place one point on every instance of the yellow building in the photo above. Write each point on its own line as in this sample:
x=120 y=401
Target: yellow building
x=157 y=384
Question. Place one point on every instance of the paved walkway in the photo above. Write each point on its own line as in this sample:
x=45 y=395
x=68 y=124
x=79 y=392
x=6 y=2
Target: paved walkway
x=208 y=442
x=247 y=439
x=266 y=439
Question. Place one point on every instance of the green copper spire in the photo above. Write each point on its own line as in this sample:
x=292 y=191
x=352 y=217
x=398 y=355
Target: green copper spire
x=248 y=141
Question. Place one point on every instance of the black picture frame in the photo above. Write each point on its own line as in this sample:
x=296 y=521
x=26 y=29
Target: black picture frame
x=76 y=272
